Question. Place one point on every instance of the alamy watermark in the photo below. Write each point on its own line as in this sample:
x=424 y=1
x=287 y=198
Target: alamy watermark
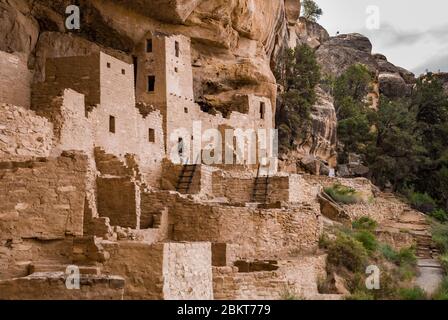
x=229 y=146
x=73 y=21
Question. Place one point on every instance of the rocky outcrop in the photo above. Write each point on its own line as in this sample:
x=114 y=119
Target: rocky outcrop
x=337 y=54
x=234 y=43
x=311 y=33
x=340 y=52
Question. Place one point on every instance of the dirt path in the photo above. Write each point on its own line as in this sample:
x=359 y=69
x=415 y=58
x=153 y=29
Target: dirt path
x=430 y=275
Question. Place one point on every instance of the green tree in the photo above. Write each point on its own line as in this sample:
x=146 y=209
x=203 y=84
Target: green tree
x=311 y=10
x=431 y=104
x=353 y=111
x=299 y=77
x=396 y=153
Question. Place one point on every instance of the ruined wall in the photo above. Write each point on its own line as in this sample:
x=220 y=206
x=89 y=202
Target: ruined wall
x=23 y=134
x=117 y=200
x=107 y=83
x=80 y=73
x=15 y=80
x=52 y=286
x=297 y=278
x=162 y=271
x=256 y=233
x=239 y=188
x=188 y=271
x=43 y=199
x=17 y=254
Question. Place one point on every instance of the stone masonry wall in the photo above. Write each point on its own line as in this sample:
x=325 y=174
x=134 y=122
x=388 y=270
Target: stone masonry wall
x=106 y=83
x=188 y=271
x=15 y=80
x=297 y=278
x=239 y=189
x=117 y=200
x=43 y=199
x=162 y=271
x=258 y=234
x=23 y=134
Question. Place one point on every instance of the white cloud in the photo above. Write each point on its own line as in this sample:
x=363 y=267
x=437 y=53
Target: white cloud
x=412 y=34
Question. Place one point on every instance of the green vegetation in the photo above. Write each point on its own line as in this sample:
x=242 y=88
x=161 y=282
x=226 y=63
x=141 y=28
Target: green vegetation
x=404 y=142
x=367 y=239
x=311 y=10
x=354 y=125
x=421 y=201
x=347 y=252
x=350 y=251
x=415 y=293
x=343 y=194
x=365 y=223
x=299 y=75
x=442 y=292
x=440 y=215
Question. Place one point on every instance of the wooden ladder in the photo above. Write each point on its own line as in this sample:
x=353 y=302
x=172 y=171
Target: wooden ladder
x=260 y=192
x=186 y=178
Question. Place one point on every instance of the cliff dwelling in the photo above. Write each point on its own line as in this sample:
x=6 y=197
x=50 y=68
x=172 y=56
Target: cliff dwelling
x=148 y=159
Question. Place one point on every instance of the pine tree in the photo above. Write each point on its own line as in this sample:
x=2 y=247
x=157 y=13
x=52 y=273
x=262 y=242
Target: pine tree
x=311 y=10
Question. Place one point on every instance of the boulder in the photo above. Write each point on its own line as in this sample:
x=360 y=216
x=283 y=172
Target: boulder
x=310 y=32
x=353 y=41
x=339 y=53
x=392 y=85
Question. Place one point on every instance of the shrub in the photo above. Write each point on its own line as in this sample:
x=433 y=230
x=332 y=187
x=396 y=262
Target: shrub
x=324 y=241
x=343 y=194
x=360 y=295
x=440 y=215
x=407 y=272
x=407 y=256
x=415 y=293
x=440 y=236
x=421 y=201
x=389 y=253
x=444 y=261
x=347 y=252
x=442 y=291
x=367 y=239
x=364 y=223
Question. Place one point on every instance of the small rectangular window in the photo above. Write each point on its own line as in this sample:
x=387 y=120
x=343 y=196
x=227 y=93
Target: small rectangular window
x=149 y=45
x=108 y=65
x=185 y=110
x=151 y=83
x=177 y=49
x=123 y=71
x=262 y=109
x=111 y=124
x=151 y=135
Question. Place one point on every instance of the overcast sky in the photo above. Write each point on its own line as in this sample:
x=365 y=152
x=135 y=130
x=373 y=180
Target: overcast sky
x=413 y=34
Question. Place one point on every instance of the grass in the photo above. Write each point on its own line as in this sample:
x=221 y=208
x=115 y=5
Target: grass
x=352 y=250
x=367 y=239
x=365 y=223
x=361 y=295
x=342 y=194
x=440 y=215
x=405 y=256
x=440 y=236
x=415 y=293
x=345 y=251
x=442 y=292
x=421 y=201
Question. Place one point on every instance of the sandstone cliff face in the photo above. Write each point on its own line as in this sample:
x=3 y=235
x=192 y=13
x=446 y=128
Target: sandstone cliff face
x=233 y=42
x=340 y=52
